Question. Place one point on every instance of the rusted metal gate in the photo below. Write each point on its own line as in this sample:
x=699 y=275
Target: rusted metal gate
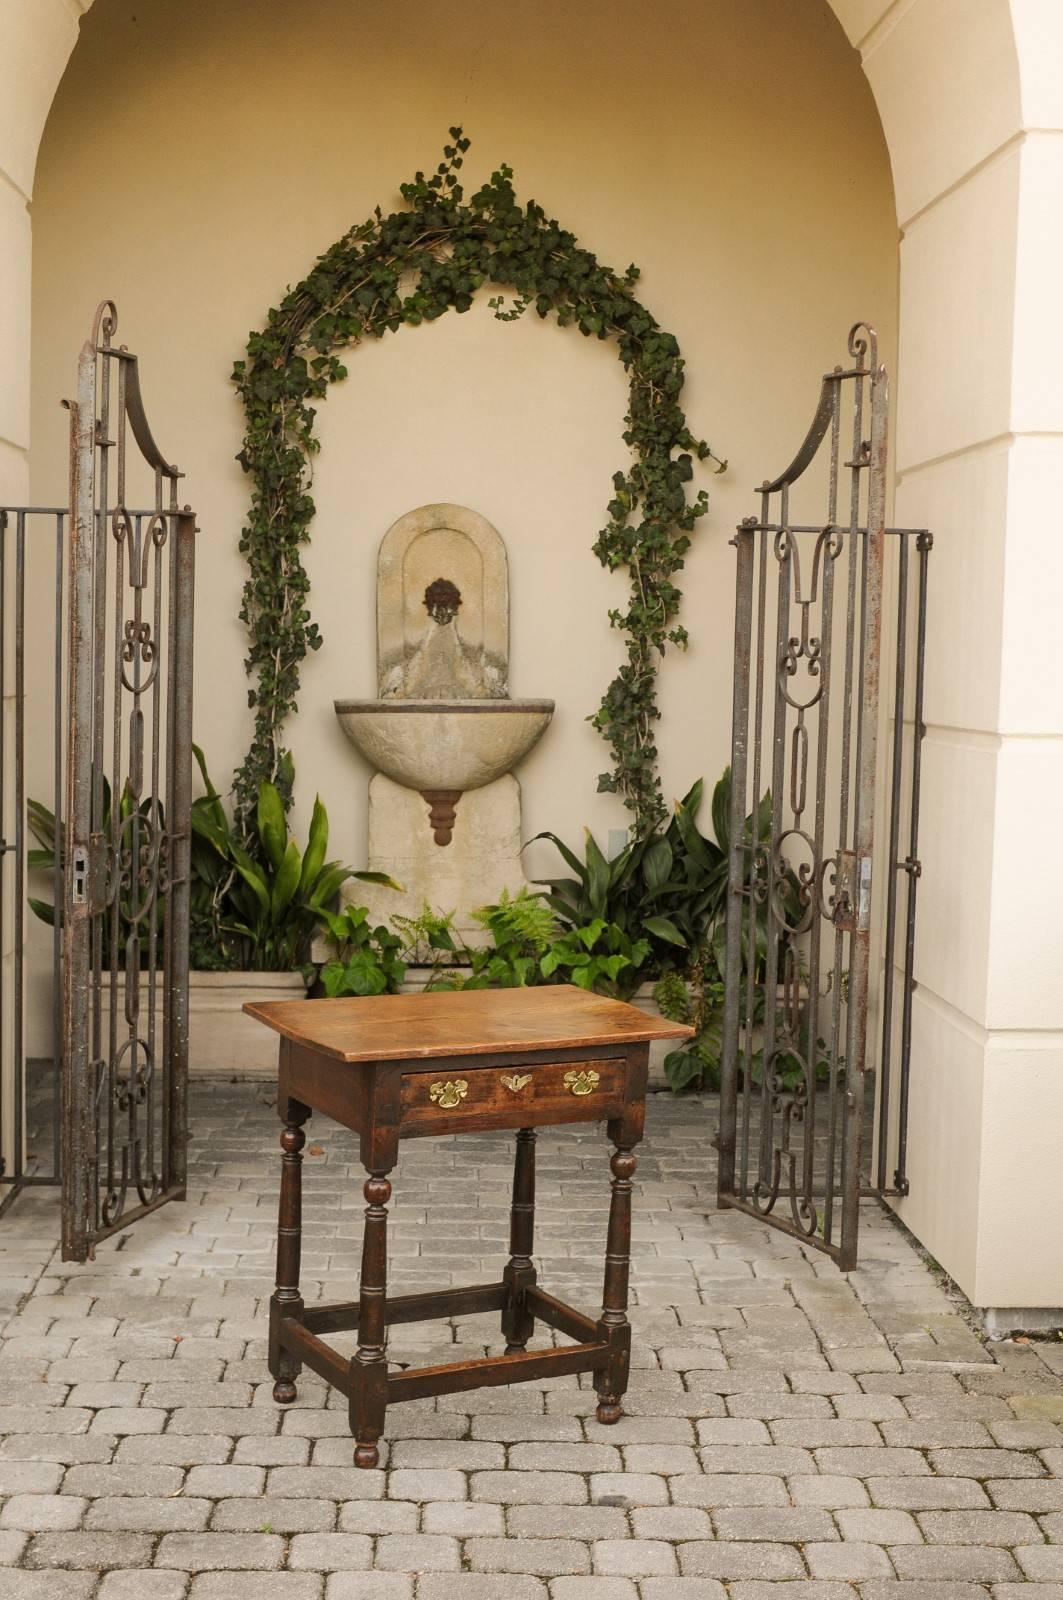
x=114 y=1098
x=801 y=1090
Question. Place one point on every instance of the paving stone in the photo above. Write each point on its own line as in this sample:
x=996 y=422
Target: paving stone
x=92 y=1550
x=848 y=1560
x=464 y=1520
x=682 y=1589
x=331 y=1552
x=206 y=1552
x=37 y=1513
x=30 y=1477
x=548 y=1558
x=799 y=1589
x=463 y=1455
x=639 y=1558
x=732 y=1561
x=418 y=1552
x=599 y=1588
x=567 y=1522
x=729 y=1489
x=13 y=1543
x=478 y=1586
x=23 y=1585
x=381 y=1516
x=988 y=1464
x=143 y=1586
x=975 y=1563
x=270 y=1514
x=430 y=1484
x=256 y=1586
x=325 y=1483
x=671 y=1522
x=1041 y=1561
x=146 y=1514
x=171 y=1449
x=785 y=1524
x=879 y=1527
x=979 y=1527
x=927 y=1494
x=629 y=1489
x=829 y=1491
x=528 y=1488
x=370 y=1586
x=223 y=1483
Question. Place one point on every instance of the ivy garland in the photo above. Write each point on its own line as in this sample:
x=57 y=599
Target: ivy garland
x=408 y=268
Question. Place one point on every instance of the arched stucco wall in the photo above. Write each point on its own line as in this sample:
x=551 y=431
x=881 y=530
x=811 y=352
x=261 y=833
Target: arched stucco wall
x=971 y=101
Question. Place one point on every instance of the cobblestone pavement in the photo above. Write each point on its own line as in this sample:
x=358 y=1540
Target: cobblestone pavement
x=790 y=1432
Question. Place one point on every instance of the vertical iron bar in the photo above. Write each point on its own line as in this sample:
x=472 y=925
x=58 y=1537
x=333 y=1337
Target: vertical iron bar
x=737 y=864
x=78 y=1092
x=760 y=539
x=20 y=837
x=893 y=866
x=924 y=543
x=827 y=551
x=180 y=740
x=16 y=1151
x=864 y=827
x=57 y=866
x=784 y=557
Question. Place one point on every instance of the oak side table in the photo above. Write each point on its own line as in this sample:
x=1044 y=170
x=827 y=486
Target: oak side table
x=394 y=1067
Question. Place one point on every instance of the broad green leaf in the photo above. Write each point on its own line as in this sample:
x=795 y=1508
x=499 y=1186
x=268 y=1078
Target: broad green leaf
x=272 y=826
x=383 y=878
x=598 y=875
x=664 y=928
x=287 y=880
x=657 y=864
x=316 y=845
x=42 y=909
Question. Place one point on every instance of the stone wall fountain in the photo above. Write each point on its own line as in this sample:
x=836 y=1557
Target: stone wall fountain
x=444 y=735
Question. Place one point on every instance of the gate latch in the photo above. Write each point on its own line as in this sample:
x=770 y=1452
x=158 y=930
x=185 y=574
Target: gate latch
x=852 y=893
x=86 y=869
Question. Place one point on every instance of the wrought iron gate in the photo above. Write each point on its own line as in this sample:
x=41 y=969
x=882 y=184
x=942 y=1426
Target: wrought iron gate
x=796 y=1074
x=129 y=759
x=112 y=1105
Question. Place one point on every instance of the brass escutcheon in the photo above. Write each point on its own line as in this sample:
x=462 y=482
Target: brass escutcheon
x=515 y=1082
x=447 y=1095
x=581 y=1082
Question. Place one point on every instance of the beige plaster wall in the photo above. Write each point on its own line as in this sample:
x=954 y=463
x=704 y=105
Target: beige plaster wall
x=733 y=152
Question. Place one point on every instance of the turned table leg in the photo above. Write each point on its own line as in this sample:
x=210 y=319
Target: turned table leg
x=519 y=1274
x=610 y=1381
x=369 y=1366
x=286 y=1300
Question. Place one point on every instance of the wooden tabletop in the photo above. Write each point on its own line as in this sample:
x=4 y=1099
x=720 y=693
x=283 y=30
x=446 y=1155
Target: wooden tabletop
x=463 y=1022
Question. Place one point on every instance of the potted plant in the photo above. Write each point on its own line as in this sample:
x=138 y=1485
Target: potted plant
x=257 y=900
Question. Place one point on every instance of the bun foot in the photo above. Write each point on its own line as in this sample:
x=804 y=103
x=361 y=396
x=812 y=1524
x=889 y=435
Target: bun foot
x=515 y=1349
x=284 y=1391
x=366 y=1455
x=609 y=1410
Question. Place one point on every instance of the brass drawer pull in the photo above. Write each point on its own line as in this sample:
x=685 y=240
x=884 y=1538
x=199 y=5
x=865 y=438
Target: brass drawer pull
x=581 y=1082
x=516 y=1081
x=447 y=1095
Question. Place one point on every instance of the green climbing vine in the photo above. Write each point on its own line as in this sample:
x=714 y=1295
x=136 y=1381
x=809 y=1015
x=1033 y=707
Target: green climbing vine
x=408 y=268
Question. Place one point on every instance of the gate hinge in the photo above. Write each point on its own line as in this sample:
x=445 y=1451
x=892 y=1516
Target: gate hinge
x=852 y=893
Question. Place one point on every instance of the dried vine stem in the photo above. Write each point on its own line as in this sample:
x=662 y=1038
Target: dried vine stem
x=408 y=268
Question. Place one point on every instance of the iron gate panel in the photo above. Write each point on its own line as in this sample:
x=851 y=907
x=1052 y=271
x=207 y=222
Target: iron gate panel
x=127 y=813
x=796 y=1077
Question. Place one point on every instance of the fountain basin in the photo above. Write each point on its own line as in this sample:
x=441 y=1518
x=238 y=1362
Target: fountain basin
x=451 y=745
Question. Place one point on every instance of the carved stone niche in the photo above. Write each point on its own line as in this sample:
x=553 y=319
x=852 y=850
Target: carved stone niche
x=442 y=615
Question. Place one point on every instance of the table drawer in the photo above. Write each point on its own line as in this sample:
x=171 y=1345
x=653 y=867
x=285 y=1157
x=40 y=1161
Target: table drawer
x=511 y=1097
